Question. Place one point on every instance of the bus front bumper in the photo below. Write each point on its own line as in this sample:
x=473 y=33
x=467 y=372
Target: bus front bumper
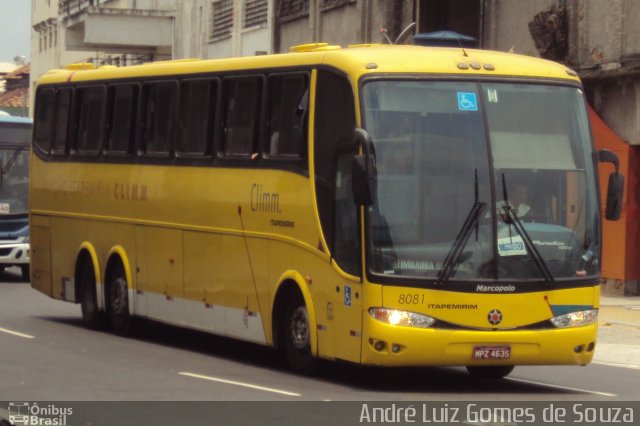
x=14 y=254
x=388 y=345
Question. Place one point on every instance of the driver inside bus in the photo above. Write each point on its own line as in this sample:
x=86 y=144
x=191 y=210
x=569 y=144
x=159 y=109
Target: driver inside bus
x=518 y=202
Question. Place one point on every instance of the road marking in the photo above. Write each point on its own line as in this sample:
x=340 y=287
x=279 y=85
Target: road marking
x=15 y=333
x=531 y=382
x=231 y=382
x=616 y=364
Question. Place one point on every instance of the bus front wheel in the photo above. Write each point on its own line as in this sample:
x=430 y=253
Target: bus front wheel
x=118 y=302
x=490 y=372
x=296 y=334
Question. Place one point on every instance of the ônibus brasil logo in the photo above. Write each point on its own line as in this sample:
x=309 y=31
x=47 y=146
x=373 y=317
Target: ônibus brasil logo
x=31 y=414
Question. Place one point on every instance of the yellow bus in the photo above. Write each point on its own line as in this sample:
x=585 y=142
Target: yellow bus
x=382 y=205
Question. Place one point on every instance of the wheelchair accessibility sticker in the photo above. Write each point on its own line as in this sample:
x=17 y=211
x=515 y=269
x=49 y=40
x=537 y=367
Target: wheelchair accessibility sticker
x=347 y=295
x=467 y=101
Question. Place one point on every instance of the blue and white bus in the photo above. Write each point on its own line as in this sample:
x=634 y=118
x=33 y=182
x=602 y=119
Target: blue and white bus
x=15 y=141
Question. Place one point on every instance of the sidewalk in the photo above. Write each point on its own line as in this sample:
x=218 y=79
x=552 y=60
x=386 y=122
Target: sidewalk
x=619 y=332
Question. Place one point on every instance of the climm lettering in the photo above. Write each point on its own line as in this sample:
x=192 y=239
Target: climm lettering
x=130 y=191
x=263 y=201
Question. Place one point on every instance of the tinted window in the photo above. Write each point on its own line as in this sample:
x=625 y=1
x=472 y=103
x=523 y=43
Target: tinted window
x=45 y=107
x=242 y=107
x=196 y=115
x=334 y=126
x=90 y=115
x=288 y=105
x=62 y=113
x=123 y=101
x=159 y=106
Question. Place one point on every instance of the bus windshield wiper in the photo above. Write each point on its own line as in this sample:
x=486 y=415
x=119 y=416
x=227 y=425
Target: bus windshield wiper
x=535 y=254
x=450 y=262
x=460 y=242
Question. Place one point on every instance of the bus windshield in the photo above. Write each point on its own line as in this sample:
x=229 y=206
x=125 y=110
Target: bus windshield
x=14 y=171
x=480 y=181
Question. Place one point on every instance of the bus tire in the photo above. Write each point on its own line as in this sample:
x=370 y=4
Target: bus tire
x=296 y=335
x=120 y=319
x=491 y=372
x=91 y=315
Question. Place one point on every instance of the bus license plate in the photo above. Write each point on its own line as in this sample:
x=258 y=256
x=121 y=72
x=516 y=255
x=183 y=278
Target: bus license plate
x=491 y=352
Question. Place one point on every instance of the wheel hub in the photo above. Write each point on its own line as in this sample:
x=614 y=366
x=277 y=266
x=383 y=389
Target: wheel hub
x=300 y=328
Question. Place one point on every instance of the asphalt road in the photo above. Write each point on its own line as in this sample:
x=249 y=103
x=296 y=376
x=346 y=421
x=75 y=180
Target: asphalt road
x=47 y=354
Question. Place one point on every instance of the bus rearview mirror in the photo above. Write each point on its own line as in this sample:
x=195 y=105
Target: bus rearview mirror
x=615 y=187
x=363 y=170
x=615 y=191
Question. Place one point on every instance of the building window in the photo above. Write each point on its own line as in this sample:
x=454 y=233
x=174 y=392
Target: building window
x=330 y=4
x=221 y=19
x=461 y=16
x=288 y=10
x=255 y=13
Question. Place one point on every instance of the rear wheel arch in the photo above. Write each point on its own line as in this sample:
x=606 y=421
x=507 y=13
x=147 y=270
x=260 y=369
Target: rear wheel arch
x=87 y=287
x=118 y=286
x=88 y=254
x=118 y=254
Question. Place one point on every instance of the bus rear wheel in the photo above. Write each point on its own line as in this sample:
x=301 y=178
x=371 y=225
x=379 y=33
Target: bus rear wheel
x=296 y=335
x=491 y=372
x=118 y=302
x=91 y=315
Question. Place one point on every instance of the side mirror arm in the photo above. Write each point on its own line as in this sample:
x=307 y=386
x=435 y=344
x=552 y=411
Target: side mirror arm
x=363 y=169
x=606 y=156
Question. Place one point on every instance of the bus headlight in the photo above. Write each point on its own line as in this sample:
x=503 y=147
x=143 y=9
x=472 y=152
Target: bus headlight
x=402 y=318
x=575 y=319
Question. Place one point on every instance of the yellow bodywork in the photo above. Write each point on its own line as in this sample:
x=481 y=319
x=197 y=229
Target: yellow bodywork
x=201 y=234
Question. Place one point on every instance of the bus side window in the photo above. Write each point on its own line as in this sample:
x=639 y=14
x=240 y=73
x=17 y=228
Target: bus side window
x=90 y=107
x=196 y=116
x=45 y=108
x=122 y=107
x=159 y=101
x=287 y=120
x=242 y=115
x=62 y=113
